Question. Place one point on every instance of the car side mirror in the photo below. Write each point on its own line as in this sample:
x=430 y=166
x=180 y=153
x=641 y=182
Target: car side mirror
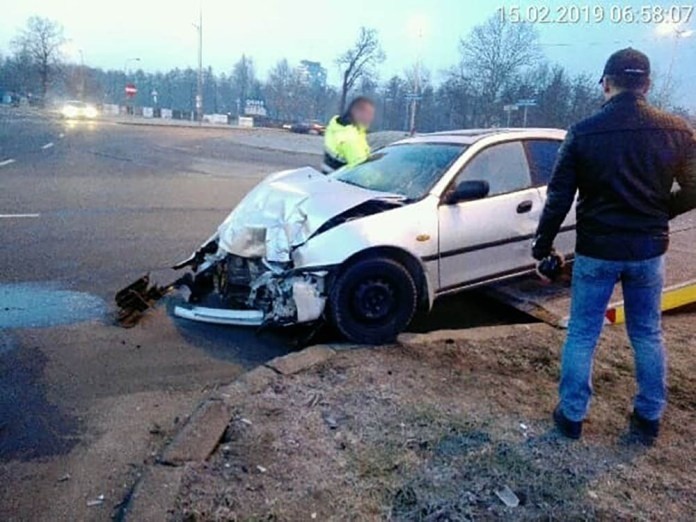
x=468 y=191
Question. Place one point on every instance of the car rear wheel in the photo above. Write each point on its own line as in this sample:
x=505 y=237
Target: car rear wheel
x=373 y=300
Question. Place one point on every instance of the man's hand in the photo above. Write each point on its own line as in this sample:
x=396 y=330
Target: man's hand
x=684 y=199
x=550 y=268
x=542 y=248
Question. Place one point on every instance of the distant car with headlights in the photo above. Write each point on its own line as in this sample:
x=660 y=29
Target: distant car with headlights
x=75 y=109
x=367 y=246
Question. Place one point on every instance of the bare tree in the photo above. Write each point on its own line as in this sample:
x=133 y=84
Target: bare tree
x=662 y=91
x=494 y=53
x=285 y=92
x=359 y=61
x=41 y=40
x=17 y=74
x=243 y=80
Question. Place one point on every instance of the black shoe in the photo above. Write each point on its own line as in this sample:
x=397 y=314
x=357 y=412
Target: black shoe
x=567 y=427
x=645 y=430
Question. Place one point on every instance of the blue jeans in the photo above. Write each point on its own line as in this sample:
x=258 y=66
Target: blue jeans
x=593 y=284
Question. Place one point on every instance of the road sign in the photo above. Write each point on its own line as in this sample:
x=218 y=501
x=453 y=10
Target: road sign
x=527 y=103
x=131 y=90
x=510 y=109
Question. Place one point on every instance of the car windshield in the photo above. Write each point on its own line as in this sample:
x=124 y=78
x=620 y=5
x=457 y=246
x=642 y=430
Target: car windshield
x=410 y=170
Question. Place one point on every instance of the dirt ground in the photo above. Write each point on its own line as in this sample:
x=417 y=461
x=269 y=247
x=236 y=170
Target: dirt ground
x=432 y=432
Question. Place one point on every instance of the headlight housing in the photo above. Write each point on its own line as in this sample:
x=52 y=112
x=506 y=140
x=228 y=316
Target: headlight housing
x=91 y=112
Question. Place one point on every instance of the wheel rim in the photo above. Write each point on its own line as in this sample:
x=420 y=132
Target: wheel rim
x=374 y=300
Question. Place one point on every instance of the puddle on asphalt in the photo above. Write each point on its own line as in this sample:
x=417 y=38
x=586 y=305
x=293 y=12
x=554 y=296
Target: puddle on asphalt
x=40 y=305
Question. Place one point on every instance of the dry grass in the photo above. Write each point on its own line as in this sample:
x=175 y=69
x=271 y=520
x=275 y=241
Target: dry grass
x=429 y=434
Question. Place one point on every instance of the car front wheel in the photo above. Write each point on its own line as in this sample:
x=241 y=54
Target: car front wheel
x=373 y=300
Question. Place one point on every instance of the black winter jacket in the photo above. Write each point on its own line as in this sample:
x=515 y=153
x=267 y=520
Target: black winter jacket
x=623 y=162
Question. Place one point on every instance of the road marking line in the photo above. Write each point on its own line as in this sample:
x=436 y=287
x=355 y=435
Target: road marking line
x=6 y=162
x=48 y=145
x=13 y=216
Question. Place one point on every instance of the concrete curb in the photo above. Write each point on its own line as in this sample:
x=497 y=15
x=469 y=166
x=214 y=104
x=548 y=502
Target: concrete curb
x=182 y=124
x=159 y=122
x=199 y=436
x=483 y=333
x=155 y=492
x=300 y=361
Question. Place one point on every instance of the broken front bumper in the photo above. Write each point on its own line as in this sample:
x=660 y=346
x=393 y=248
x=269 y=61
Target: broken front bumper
x=220 y=315
x=274 y=298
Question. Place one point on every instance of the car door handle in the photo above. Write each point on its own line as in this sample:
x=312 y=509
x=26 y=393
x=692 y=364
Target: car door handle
x=525 y=207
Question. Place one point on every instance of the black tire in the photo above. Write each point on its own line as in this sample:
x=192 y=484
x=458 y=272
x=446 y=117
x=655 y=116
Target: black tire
x=373 y=300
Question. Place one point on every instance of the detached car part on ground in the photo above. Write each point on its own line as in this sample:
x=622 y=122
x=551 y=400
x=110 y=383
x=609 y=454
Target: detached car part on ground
x=368 y=246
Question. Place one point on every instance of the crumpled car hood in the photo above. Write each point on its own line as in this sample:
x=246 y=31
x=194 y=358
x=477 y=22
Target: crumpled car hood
x=284 y=210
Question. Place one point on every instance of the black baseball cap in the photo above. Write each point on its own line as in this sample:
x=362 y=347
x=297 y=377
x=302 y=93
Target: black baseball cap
x=627 y=62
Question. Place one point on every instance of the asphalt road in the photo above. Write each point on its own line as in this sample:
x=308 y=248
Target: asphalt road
x=84 y=209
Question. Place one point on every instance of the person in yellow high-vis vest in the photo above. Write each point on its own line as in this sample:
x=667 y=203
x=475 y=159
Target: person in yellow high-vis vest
x=345 y=138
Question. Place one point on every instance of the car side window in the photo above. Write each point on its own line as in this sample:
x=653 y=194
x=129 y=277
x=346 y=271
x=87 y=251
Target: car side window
x=504 y=166
x=542 y=156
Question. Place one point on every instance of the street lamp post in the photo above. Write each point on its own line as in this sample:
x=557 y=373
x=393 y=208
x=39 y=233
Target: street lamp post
x=125 y=65
x=82 y=74
x=78 y=77
x=414 y=99
x=199 y=83
x=419 y=33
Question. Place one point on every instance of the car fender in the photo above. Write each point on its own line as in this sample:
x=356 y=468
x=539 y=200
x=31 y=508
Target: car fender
x=411 y=229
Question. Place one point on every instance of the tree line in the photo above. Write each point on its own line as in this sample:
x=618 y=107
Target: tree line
x=499 y=63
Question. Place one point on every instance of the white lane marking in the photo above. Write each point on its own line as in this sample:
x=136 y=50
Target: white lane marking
x=19 y=216
x=48 y=145
x=6 y=162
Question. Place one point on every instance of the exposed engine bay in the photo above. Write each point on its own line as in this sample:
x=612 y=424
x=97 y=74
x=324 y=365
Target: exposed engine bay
x=251 y=291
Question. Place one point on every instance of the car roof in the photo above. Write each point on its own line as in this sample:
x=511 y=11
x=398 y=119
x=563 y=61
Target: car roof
x=471 y=136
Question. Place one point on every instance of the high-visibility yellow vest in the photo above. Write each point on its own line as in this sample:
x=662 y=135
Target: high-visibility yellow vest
x=344 y=145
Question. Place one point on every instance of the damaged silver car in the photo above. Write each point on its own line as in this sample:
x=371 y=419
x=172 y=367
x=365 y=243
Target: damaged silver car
x=368 y=246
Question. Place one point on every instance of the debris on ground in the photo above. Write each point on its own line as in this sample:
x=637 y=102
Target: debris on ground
x=330 y=421
x=64 y=478
x=138 y=297
x=96 y=502
x=508 y=497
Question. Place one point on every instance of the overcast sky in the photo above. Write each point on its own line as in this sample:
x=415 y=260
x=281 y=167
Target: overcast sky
x=161 y=34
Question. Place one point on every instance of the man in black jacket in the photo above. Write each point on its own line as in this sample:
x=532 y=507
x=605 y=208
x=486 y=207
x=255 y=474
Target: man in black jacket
x=623 y=162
